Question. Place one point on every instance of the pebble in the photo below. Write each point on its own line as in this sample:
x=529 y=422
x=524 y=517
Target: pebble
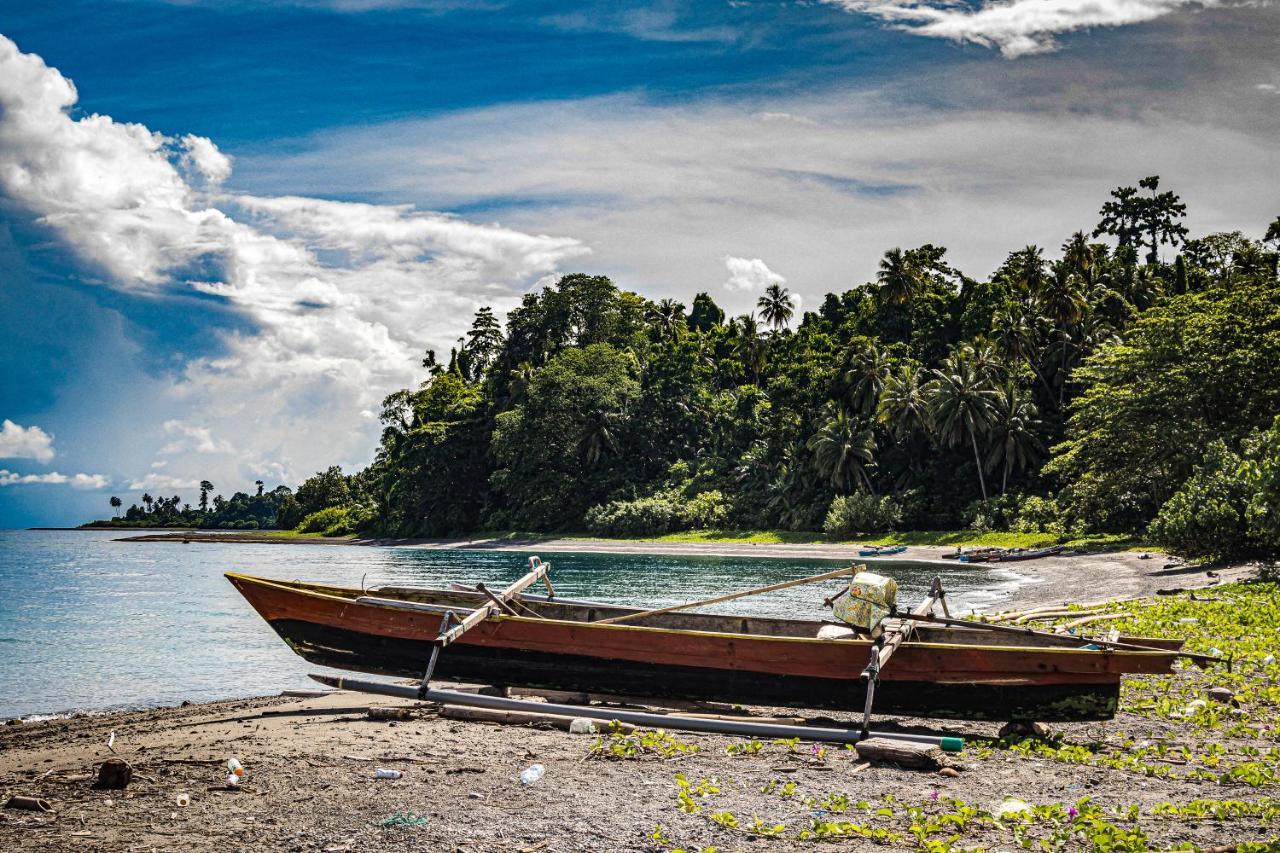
x=1221 y=694
x=949 y=772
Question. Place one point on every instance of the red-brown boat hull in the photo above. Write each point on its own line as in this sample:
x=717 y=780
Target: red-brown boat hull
x=926 y=679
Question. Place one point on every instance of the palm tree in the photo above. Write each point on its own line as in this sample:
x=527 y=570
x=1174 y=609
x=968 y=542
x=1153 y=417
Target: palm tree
x=1017 y=335
x=776 y=306
x=750 y=348
x=1062 y=299
x=1013 y=441
x=899 y=280
x=1079 y=255
x=985 y=359
x=147 y=501
x=116 y=503
x=205 y=488
x=961 y=403
x=598 y=436
x=842 y=449
x=258 y=483
x=867 y=375
x=904 y=406
x=667 y=316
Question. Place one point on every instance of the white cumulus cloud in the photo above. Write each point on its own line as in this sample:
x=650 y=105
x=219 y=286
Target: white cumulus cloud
x=161 y=483
x=18 y=442
x=749 y=274
x=53 y=478
x=188 y=438
x=339 y=299
x=1016 y=27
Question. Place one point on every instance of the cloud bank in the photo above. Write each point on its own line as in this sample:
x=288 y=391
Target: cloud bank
x=76 y=481
x=336 y=301
x=1016 y=27
x=17 y=442
x=749 y=274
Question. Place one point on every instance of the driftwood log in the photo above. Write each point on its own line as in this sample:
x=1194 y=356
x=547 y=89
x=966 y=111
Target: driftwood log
x=30 y=804
x=917 y=756
x=393 y=712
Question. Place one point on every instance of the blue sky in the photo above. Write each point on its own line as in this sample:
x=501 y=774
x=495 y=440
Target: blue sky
x=227 y=229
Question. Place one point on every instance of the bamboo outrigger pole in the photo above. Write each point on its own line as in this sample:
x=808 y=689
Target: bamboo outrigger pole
x=1061 y=639
x=627 y=617
x=638 y=718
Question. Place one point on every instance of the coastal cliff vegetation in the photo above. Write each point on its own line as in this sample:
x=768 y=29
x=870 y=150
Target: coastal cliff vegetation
x=1130 y=384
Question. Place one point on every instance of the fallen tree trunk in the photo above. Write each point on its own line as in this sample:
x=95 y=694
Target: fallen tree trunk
x=917 y=756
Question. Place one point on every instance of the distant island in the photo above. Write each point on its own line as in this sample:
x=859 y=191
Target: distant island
x=1109 y=391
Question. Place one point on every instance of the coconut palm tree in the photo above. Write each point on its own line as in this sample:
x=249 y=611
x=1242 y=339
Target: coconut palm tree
x=898 y=277
x=1012 y=439
x=842 y=449
x=116 y=503
x=750 y=348
x=599 y=436
x=667 y=316
x=205 y=488
x=147 y=501
x=904 y=405
x=1017 y=333
x=961 y=404
x=866 y=376
x=1062 y=299
x=776 y=306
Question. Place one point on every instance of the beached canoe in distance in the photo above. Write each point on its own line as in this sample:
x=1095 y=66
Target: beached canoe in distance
x=942 y=672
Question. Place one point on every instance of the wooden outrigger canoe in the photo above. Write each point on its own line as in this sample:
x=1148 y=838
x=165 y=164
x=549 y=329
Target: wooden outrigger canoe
x=554 y=643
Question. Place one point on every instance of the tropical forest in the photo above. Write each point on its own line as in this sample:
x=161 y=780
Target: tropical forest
x=1125 y=382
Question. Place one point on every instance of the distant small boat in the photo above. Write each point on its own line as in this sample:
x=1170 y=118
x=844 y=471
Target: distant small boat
x=977 y=555
x=881 y=550
x=1032 y=554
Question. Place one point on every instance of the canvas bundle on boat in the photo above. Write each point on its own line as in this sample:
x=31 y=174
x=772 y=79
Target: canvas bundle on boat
x=870 y=600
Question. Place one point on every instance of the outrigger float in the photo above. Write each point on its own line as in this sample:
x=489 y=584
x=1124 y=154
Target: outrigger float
x=916 y=664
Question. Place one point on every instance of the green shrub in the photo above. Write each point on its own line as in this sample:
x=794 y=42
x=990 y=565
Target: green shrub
x=1229 y=508
x=1040 y=515
x=335 y=521
x=659 y=513
x=1207 y=516
x=705 y=510
x=859 y=513
x=993 y=514
x=1261 y=471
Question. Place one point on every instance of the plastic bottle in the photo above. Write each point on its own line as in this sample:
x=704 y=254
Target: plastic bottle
x=583 y=726
x=235 y=768
x=531 y=774
x=380 y=773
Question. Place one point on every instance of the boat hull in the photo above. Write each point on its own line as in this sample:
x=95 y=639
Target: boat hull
x=697 y=656
x=400 y=657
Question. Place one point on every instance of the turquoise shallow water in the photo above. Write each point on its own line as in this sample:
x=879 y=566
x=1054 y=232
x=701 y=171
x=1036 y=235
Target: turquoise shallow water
x=90 y=623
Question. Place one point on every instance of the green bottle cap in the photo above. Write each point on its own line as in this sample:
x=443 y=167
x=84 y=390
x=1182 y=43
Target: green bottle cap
x=952 y=744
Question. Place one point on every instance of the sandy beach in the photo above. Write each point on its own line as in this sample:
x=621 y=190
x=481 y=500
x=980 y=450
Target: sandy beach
x=311 y=762
x=310 y=784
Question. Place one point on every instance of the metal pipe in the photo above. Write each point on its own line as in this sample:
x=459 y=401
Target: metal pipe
x=638 y=718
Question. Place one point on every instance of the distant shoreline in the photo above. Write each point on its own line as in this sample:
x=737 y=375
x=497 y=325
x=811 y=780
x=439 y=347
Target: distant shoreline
x=1050 y=580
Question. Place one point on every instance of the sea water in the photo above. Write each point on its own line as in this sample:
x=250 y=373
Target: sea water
x=88 y=622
